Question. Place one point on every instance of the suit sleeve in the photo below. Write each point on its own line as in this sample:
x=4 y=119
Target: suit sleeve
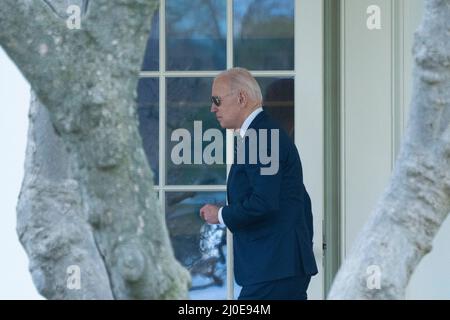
x=258 y=205
x=263 y=201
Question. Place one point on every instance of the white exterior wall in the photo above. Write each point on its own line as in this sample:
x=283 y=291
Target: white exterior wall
x=376 y=91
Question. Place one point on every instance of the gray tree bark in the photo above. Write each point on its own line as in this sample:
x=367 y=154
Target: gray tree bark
x=416 y=202
x=51 y=223
x=87 y=81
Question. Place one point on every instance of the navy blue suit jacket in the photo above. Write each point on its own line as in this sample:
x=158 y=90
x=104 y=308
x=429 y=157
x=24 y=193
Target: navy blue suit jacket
x=270 y=215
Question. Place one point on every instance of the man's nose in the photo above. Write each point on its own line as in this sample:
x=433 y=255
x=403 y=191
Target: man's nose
x=214 y=108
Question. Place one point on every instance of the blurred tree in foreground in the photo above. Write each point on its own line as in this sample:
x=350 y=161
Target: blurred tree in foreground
x=87 y=208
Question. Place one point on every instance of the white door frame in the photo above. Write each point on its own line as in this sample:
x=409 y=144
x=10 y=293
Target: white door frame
x=309 y=116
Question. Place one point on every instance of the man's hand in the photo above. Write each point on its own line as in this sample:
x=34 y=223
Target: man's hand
x=210 y=213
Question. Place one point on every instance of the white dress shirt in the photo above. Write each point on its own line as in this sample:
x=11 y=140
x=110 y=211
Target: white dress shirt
x=242 y=132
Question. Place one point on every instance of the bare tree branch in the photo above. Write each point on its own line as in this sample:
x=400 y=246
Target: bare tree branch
x=28 y=31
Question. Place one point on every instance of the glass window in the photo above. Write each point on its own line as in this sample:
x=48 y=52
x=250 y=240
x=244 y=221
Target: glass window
x=199 y=246
x=194 y=45
x=264 y=34
x=151 y=56
x=148 y=115
x=196 y=34
x=188 y=101
x=278 y=96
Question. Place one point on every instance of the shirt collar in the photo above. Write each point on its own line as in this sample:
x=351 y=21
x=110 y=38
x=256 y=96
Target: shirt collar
x=248 y=121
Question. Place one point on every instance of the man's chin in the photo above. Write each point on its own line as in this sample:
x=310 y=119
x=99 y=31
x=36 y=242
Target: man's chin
x=222 y=125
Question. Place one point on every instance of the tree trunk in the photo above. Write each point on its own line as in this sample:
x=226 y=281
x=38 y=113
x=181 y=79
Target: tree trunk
x=87 y=80
x=51 y=223
x=417 y=200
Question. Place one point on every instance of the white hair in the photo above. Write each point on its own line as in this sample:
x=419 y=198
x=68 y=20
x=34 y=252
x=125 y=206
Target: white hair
x=241 y=78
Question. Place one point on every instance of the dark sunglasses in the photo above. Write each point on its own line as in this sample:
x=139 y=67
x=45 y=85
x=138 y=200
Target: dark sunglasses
x=217 y=100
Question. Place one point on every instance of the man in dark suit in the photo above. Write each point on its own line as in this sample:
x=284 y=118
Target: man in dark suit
x=269 y=209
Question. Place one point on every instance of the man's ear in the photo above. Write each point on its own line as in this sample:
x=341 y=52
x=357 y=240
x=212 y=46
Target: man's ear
x=242 y=98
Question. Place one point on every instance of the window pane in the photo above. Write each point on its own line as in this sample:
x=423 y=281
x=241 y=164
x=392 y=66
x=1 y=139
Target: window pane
x=148 y=115
x=200 y=247
x=264 y=34
x=278 y=96
x=188 y=101
x=151 y=56
x=196 y=34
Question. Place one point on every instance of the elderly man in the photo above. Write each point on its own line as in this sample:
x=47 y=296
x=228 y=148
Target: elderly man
x=269 y=214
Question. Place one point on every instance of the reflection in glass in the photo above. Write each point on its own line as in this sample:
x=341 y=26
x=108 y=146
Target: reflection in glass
x=278 y=96
x=151 y=56
x=264 y=34
x=148 y=115
x=200 y=247
x=196 y=34
x=188 y=101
